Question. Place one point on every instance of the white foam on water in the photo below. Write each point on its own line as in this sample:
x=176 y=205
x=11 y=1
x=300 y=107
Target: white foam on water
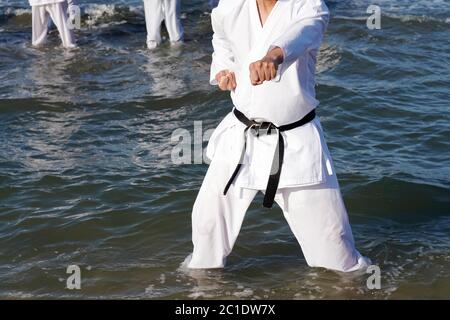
x=329 y=57
x=412 y=6
x=103 y=15
x=402 y=17
x=17 y=11
x=207 y=291
x=20 y=295
x=149 y=289
x=109 y=10
x=97 y=11
x=152 y=292
x=416 y=18
x=243 y=294
x=357 y=18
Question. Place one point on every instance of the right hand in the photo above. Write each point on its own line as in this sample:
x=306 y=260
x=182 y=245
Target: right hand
x=226 y=80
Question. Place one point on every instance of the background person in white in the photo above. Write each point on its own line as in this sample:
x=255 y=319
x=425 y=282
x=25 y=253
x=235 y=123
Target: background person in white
x=157 y=11
x=265 y=54
x=42 y=11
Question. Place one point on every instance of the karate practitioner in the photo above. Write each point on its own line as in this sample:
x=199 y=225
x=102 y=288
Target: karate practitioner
x=265 y=54
x=57 y=10
x=155 y=12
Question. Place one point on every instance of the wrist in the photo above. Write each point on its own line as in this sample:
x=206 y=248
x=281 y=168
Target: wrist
x=276 y=55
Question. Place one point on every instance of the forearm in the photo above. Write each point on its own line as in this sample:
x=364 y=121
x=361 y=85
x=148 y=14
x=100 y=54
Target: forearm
x=306 y=31
x=306 y=37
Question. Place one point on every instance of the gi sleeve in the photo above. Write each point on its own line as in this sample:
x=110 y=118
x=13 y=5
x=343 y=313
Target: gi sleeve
x=222 y=57
x=306 y=31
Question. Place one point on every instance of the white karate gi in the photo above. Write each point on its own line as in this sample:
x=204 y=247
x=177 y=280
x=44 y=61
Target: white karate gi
x=41 y=11
x=308 y=191
x=155 y=12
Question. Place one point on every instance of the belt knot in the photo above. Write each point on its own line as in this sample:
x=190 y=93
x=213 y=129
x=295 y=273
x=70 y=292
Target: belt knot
x=261 y=128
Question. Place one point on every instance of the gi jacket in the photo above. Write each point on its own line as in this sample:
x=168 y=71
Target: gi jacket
x=297 y=27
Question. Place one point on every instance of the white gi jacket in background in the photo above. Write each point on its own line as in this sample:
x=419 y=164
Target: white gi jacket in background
x=297 y=27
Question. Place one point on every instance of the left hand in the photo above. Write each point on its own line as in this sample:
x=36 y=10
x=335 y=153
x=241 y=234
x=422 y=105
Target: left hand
x=266 y=68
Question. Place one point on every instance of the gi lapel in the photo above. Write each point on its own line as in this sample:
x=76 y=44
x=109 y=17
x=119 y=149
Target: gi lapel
x=264 y=35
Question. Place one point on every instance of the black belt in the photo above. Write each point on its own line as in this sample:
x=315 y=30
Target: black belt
x=277 y=163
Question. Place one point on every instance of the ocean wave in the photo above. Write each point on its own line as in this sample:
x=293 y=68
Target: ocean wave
x=9 y=12
x=104 y=13
x=431 y=7
x=420 y=19
x=417 y=18
x=403 y=199
x=329 y=57
x=92 y=15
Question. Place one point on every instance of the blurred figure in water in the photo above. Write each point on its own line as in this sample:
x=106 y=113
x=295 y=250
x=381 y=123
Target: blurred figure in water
x=57 y=10
x=155 y=12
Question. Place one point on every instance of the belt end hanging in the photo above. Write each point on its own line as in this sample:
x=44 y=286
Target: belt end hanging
x=267 y=205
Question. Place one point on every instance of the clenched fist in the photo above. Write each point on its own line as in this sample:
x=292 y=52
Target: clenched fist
x=266 y=68
x=226 y=80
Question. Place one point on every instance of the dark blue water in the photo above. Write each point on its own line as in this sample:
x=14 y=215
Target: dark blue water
x=86 y=175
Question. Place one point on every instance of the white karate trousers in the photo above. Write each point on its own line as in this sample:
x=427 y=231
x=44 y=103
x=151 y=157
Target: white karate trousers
x=155 y=12
x=316 y=215
x=40 y=18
